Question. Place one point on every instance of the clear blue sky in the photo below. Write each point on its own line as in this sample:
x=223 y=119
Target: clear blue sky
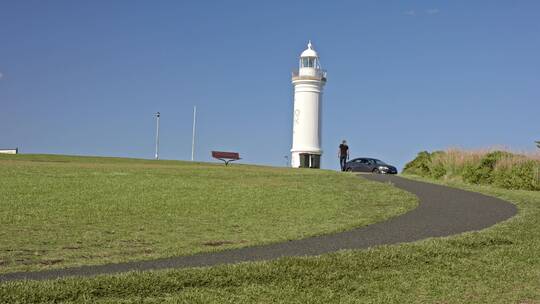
x=84 y=77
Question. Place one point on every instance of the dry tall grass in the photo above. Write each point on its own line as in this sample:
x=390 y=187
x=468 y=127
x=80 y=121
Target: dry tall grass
x=498 y=165
x=456 y=158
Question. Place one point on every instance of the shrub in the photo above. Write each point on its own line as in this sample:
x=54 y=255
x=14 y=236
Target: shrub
x=469 y=174
x=419 y=165
x=517 y=174
x=482 y=173
x=499 y=168
x=438 y=170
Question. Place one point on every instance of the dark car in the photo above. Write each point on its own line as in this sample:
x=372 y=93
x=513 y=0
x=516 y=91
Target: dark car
x=364 y=164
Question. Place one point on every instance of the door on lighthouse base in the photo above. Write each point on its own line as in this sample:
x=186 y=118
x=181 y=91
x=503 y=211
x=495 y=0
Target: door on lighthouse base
x=310 y=160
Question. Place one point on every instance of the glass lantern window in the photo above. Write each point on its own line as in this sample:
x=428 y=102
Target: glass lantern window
x=308 y=62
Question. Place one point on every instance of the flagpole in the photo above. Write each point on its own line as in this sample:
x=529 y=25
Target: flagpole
x=193 y=135
x=157 y=114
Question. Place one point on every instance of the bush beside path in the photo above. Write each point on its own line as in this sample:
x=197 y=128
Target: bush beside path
x=482 y=167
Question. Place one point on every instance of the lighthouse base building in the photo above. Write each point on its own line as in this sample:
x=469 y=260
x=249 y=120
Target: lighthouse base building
x=308 y=82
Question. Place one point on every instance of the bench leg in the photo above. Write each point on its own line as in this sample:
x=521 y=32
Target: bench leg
x=226 y=161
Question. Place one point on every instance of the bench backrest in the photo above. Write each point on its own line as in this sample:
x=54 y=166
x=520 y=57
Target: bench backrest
x=227 y=155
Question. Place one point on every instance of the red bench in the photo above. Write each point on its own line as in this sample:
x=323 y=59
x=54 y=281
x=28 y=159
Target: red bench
x=226 y=157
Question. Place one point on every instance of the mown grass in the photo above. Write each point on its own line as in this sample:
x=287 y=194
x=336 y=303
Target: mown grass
x=500 y=264
x=59 y=211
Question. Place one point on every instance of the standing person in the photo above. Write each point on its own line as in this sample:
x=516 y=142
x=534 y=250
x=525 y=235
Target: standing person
x=343 y=154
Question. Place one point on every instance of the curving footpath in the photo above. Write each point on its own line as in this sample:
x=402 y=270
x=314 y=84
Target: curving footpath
x=442 y=211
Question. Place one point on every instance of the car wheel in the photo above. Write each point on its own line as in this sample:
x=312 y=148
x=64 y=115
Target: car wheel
x=376 y=171
x=349 y=169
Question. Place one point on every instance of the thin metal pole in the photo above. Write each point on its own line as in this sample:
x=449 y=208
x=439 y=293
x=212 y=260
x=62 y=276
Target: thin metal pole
x=193 y=135
x=157 y=135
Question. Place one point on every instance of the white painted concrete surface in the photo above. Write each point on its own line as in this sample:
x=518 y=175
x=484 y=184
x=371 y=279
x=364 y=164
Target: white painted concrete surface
x=308 y=85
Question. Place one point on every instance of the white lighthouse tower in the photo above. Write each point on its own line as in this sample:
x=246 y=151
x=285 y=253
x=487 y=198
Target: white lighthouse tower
x=308 y=84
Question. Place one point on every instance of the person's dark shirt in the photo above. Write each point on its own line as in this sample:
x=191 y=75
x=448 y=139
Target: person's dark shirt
x=343 y=149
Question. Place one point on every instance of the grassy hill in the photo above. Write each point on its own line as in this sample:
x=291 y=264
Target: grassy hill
x=58 y=211
x=500 y=264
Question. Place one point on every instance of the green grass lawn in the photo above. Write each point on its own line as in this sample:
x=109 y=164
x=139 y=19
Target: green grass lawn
x=500 y=264
x=59 y=211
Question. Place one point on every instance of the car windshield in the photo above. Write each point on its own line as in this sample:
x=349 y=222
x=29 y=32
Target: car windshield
x=379 y=162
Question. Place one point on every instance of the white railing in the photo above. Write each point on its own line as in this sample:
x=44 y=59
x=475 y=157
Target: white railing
x=314 y=73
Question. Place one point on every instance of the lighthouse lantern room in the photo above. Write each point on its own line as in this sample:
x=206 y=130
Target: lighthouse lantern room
x=308 y=82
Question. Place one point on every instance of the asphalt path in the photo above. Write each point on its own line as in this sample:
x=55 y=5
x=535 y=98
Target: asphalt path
x=442 y=211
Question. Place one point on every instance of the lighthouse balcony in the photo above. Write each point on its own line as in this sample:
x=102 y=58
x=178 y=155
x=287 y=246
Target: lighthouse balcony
x=309 y=74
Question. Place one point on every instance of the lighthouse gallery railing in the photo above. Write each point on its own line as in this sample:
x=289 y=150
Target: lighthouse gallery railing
x=318 y=75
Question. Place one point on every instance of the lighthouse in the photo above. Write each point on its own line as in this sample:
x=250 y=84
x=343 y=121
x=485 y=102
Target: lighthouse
x=308 y=82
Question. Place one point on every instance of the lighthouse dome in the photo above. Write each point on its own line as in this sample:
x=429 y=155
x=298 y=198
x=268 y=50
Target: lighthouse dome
x=309 y=52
